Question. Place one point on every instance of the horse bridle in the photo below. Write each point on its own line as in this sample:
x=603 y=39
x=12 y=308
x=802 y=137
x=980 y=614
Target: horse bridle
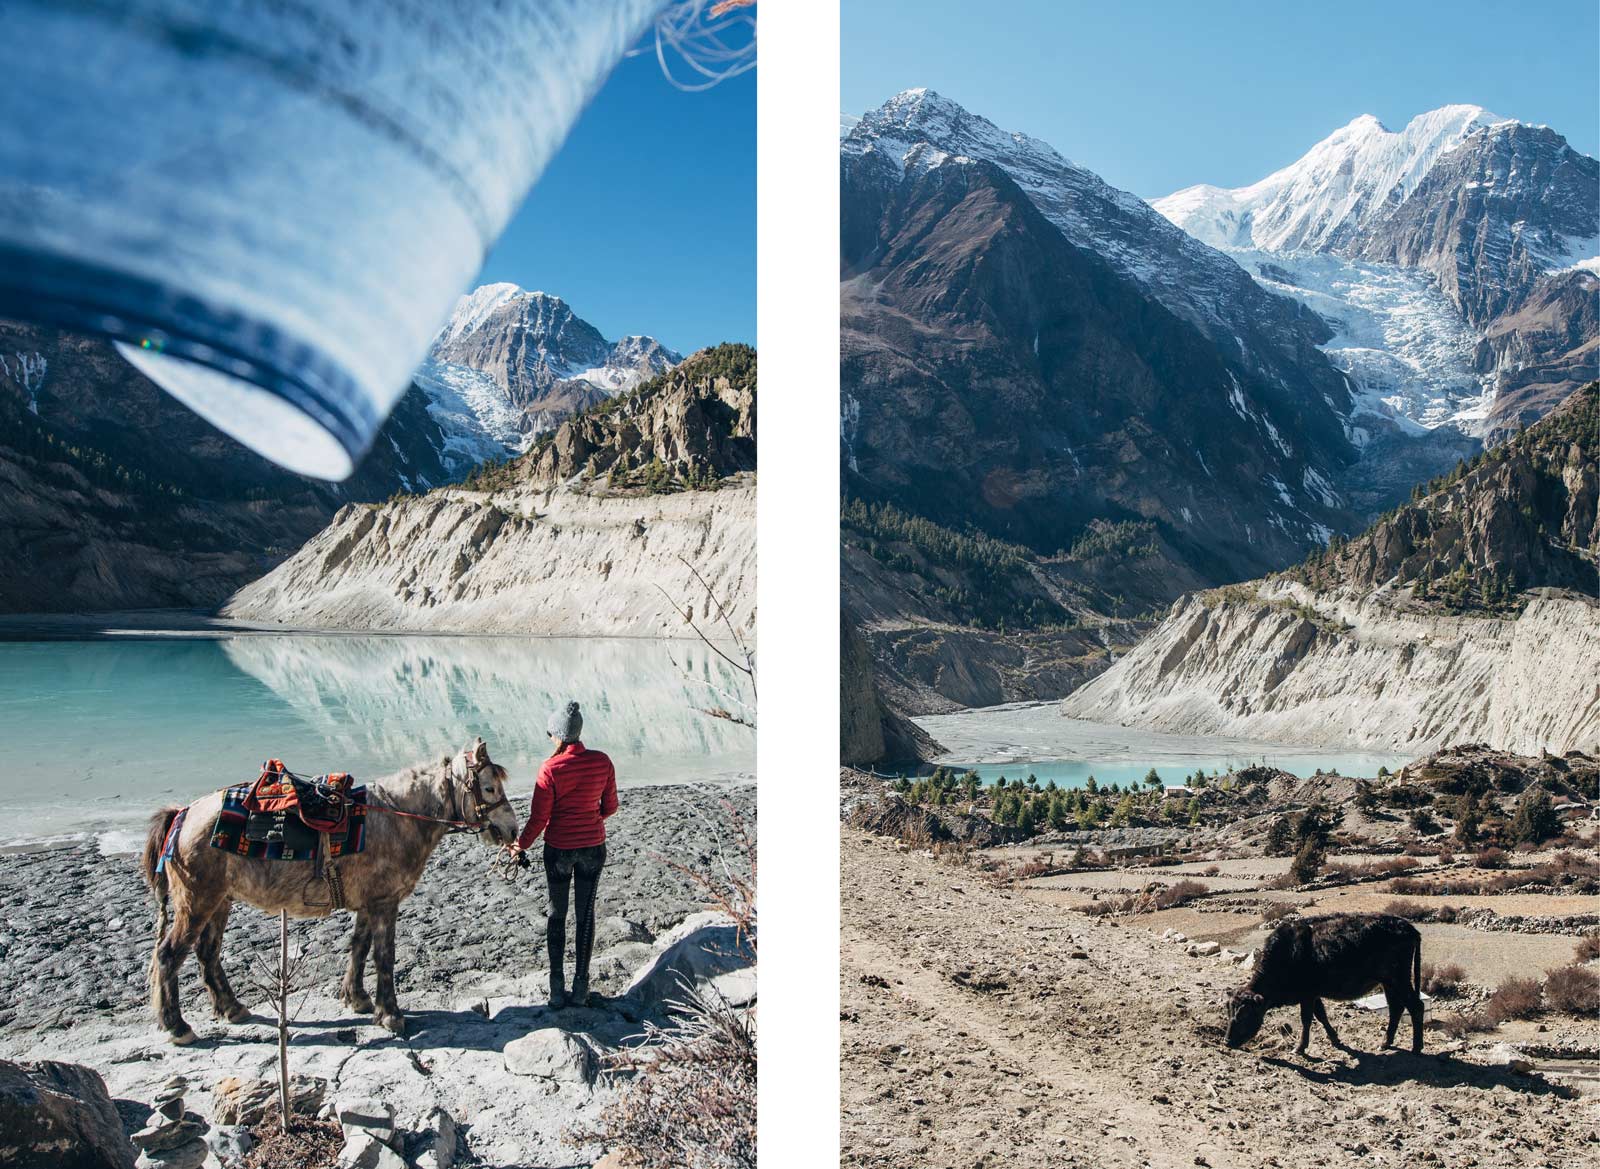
x=477 y=820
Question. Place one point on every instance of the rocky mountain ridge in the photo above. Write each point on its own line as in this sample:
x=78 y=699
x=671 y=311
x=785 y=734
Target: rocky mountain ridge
x=1270 y=335
x=598 y=530
x=1058 y=412
x=695 y=422
x=119 y=497
x=1472 y=613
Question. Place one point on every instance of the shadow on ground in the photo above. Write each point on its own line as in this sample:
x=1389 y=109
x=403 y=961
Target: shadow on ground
x=1440 y=1071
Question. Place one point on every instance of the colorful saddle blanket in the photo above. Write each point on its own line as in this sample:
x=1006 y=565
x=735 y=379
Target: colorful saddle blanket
x=282 y=817
x=322 y=803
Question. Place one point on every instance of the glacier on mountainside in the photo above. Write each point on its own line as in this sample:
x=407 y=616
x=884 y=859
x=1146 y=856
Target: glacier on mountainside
x=1395 y=335
x=1405 y=341
x=470 y=408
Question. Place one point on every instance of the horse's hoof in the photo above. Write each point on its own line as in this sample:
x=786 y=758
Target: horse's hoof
x=182 y=1038
x=361 y=1006
x=395 y=1023
x=238 y=1013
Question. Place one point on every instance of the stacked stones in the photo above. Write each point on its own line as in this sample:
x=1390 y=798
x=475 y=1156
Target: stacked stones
x=172 y=1138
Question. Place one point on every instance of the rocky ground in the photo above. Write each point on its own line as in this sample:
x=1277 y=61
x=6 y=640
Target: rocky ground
x=987 y=1020
x=75 y=937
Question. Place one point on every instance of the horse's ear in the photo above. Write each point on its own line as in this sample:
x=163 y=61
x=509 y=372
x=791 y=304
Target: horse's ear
x=480 y=751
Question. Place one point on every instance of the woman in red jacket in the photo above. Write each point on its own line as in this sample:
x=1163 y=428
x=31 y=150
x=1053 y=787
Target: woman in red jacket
x=576 y=791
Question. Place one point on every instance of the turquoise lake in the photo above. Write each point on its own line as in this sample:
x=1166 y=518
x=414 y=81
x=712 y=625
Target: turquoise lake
x=1075 y=773
x=97 y=733
x=1033 y=738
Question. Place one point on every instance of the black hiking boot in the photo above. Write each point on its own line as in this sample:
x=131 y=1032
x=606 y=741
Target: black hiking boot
x=558 y=993
x=580 y=991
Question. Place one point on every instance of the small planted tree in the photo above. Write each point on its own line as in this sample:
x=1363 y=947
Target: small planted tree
x=279 y=982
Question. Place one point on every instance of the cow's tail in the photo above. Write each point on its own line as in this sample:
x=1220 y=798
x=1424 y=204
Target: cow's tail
x=155 y=876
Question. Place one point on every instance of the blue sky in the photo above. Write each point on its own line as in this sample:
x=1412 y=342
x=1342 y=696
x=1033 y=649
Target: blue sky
x=645 y=222
x=1160 y=94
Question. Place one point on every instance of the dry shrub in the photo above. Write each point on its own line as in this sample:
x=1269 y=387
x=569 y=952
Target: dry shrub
x=1588 y=948
x=1035 y=868
x=308 y=1142
x=956 y=852
x=690 y=1102
x=1281 y=881
x=1490 y=858
x=1573 y=990
x=1210 y=871
x=1276 y=912
x=1392 y=866
x=1410 y=887
x=1410 y=910
x=1443 y=981
x=1181 y=893
x=1097 y=908
x=1466 y=1023
x=893 y=817
x=1515 y=998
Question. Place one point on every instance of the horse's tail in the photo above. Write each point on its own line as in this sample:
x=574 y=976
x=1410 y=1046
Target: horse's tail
x=150 y=862
x=1416 y=965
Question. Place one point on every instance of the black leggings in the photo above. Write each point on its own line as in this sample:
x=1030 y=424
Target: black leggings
x=561 y=865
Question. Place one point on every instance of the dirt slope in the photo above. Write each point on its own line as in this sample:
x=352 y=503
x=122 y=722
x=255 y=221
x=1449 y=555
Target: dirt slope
x=971 y=1037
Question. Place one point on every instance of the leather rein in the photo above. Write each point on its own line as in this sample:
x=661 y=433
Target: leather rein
x=480 y=809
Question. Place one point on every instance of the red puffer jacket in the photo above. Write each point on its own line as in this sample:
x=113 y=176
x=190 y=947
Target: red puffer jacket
x=576 y=791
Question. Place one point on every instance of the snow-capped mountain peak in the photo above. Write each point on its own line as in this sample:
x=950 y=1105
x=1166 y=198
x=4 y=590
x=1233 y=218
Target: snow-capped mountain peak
x=1419 y=247
x=476 y=307
x=919 y=129
x=1337 y=187
x=511 y=363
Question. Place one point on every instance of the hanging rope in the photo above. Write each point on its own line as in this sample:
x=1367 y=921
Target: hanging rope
x=713 y=41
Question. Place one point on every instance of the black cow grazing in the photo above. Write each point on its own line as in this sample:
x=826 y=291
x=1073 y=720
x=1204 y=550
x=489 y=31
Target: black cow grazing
x=1340 y=956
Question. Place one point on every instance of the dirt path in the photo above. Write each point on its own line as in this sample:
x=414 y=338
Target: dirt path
x=972 y=1037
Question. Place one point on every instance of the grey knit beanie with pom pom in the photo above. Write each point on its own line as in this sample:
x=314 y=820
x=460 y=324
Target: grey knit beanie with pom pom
x=567 y=724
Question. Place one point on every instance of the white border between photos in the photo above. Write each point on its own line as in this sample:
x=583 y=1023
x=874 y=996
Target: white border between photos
x=798 y=589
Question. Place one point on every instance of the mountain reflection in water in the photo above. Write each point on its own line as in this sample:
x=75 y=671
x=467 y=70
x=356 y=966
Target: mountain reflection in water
x=98 y=732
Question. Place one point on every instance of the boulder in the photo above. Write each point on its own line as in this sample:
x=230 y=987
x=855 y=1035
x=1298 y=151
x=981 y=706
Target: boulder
x=163 y=1134
x=737 y=988
x=435 y=1147
x=1205 y=949
x=190 y=1156
x=369 y=1115
x=230 y=1143
x=553 y=1054
x=699 y=949
x=362 y=1150
x=240 y=1101
x=59 y=1114
x=614 y=930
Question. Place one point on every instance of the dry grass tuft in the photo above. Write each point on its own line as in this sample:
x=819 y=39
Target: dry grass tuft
x=1588 y=948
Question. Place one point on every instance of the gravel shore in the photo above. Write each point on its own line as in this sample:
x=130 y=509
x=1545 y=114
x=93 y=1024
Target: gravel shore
x=76 y=926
